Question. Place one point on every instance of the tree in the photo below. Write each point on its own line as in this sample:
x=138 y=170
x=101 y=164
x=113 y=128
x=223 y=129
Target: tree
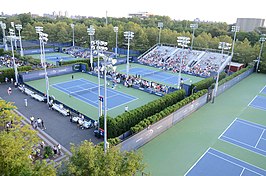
x=16 y=146
x=88 y=159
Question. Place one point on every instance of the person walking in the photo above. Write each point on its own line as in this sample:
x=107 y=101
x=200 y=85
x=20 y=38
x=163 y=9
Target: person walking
x=9 y=90
x=39 y=122
x=55 y=150
x=43 y=127
x=35 y=125
x=26 y=102
x=126 y=108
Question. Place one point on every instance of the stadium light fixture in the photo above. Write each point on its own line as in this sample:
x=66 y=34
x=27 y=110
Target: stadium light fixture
x=15 y=41
x=3 y=26
x=129 y=36
x=98 y=47
x=108 y=65
x=223 y=46
x=181 y=41
x=193 y=27
x=73 y=35
x=12 y=37
x=43 y=37
x=160 y=26
x=262 y=40
x=91 y=32
x=19 y=27
x=235 y=29
x=116 y=32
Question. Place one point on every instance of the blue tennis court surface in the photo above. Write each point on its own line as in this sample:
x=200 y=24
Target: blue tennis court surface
x=216 y=163
x=246 y=134
x=161 y=76
x=263 y=91
x=87 y=91
x=55 y=58
x=259 y=102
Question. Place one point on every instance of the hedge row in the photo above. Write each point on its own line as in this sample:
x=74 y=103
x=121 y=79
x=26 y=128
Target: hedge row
x=162 y=114
x=123 y=122
x=206 y=83
x=87 y=61
x=234 y=75
x=10 y=73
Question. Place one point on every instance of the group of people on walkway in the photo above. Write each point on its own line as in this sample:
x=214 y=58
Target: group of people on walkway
x=37 y=123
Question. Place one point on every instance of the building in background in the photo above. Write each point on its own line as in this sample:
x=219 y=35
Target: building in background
x=140 y=14
x=249 y=24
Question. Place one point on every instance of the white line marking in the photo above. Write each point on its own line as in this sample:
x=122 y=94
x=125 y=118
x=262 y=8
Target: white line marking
x=138 y=140
x=196 y=162
x=227 y=128
x=259 y=139
x=262 y=88
x=252 y=100
x=159 y=127
x=252 y=124
x=242 y=171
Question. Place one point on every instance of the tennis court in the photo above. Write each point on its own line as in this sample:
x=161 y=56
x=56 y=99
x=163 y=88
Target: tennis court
x=246 y=134
x=259 y=102
x=214 y=162
x=87 y=92
x=158 y=75
x=65 y=89
x=176 y=150
x=54 y=57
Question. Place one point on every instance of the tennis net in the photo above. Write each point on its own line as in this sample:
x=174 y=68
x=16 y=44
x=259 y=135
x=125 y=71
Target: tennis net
x=151 y=73
x=84 y=91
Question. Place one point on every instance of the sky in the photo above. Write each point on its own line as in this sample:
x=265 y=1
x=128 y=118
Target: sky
x=206 y=10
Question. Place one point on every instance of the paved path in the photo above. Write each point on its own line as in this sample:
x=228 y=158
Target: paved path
x=57 y=126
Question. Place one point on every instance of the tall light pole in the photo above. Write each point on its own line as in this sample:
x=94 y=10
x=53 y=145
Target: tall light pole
x=160 y=26
x=19 y=27
x=13 y=25
x=181 y=41
x=235 y=29
x=223 y=46
x=262 y=40
x=108 y=64
x=12 y=36
x=91 y=32
x=73 y=35
x=116 y=32
x=193 y=27
x=99 y=46
x=3 y=26
x=129 y=36
x=43 y=37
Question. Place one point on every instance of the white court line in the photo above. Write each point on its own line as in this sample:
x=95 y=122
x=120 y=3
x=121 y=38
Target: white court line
x=252 y=124
x=227 y=128
x=240 y=160
x=252 y=100
x=243 y=143
x=242 y=171
x=259 y=139
x=234 y=162
x=197 y=161
x=258 y=108
x=262 y=88
x=123 y=103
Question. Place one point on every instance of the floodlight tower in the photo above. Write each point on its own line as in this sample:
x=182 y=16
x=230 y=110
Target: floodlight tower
x=43 y=37
x=223 y=46
x=262 y=40
x=19 y=27
x=13 y=25
x=181 y=41
x=160 y=26
x=91 y=32
x=98 y=47
x=12 y=36
x=129 y=36
x=116 y=32
x=193 y=27
x=235 y=29
x=73 y=35
x=3 y=26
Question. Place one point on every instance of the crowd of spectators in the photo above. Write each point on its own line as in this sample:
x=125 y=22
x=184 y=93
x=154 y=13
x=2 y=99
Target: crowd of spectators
x=199 y=63
x=134 y=81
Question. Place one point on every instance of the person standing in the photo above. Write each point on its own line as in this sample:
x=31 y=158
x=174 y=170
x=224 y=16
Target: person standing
x=59 y=149
x=39 y=122
x=126 y=108
x=9 y=90
x=26 y=102
x=72 y=76
x=43 y=127
x=31 y=120
x=55 y=150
